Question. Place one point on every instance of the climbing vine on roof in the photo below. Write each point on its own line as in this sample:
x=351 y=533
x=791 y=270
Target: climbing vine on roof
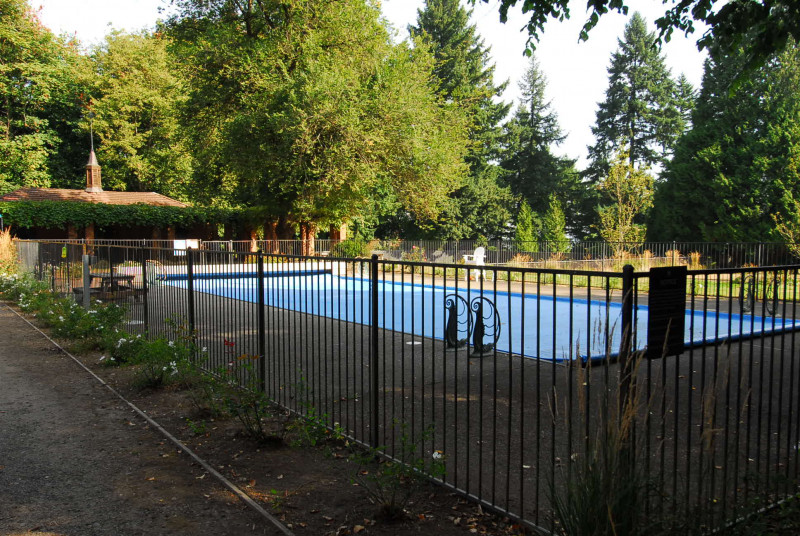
x=55 y=214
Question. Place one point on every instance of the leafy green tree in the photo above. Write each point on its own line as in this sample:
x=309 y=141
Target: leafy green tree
x=788 y=225
x=39 y=102
x=465 y=78
x=308 y=110
x=630 y=191
x=527 y=231
x=763 y=28
x=640 y=108
x=738 y=164
x=138 y=96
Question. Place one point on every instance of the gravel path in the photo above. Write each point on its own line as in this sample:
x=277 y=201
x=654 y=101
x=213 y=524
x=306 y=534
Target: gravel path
x=75 y=460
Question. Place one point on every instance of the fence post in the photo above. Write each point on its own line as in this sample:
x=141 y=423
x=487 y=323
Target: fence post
x=145 y=292
x=374 y=352
x=627 y=316
x=626 y=382
x=262 y=328
x=190 y=288
x=87 y=283
x=40 y=264
x=626 y=342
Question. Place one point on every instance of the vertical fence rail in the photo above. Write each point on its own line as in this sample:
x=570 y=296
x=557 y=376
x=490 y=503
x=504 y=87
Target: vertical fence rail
x=262 y=324
x=374 y=356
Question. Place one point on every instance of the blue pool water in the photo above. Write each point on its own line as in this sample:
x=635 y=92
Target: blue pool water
x=531 y=325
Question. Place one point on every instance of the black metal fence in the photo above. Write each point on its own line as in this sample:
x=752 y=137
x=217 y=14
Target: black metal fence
x=517 y=376
x=568 y=255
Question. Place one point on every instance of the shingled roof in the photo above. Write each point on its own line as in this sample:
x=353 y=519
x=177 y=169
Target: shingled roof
x=93 y=193
x=82 y=196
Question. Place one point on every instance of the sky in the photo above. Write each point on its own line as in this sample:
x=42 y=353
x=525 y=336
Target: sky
x=577 y=73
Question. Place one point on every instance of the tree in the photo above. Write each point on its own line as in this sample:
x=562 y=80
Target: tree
x=39 y=102
x=685 y=98
x=465 y=78
x=640 y=109
x=307 y=109
x=630 y=191
x=526 y=234
x=137 y=99
x=533 y=171
x=788 y=226
x=738 y=164
x=762 y=28
x=554 y=227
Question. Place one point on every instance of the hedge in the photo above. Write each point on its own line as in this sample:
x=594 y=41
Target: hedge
x=55 y=214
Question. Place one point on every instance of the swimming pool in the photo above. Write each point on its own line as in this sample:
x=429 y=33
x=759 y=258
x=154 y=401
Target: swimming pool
x=532 y=325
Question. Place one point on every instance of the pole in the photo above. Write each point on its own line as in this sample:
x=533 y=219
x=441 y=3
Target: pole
x=374 y=351
x=190 y=288
x=145 y=292
x=87 y=282
x=262 y=328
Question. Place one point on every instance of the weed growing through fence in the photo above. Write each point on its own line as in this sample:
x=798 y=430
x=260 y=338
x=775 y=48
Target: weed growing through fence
x=391 y=482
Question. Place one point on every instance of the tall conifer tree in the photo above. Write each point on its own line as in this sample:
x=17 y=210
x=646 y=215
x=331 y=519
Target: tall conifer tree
x=640 y=108
x=533 y=171
x=737 y=167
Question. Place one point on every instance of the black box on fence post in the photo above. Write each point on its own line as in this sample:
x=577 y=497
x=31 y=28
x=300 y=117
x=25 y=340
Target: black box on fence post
x=667 y=311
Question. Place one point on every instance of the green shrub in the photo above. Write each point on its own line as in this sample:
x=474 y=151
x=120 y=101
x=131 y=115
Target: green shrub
x=240 y=392
x=391 y=483
x=351 y=248
x=162 y=362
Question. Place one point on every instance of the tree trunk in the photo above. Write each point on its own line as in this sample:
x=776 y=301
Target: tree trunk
x=253 y=240
x=308 y=231
x=271 y=236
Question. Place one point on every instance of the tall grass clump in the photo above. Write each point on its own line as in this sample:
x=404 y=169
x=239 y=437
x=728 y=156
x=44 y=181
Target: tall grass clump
x=604 y=493
x=8 y=253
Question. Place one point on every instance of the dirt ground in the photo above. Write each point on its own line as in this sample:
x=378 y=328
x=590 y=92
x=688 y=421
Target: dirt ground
x=75 y=459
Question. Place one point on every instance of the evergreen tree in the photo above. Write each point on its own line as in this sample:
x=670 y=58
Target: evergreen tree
x=737 y=167
x=640 y=109
x=465 y=77
x=685 y=98
x=533 y=171
x=526 y=235
x=554 y=227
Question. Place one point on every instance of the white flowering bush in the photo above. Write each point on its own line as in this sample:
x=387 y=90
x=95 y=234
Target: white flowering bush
x=18 y=288
x=88 y=329
x=161 y=361
x=122 y=348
